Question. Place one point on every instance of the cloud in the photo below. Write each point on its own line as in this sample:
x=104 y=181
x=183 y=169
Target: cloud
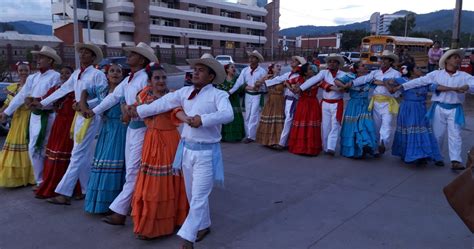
x=342 y=20
x=31 y=10
x=351 y=6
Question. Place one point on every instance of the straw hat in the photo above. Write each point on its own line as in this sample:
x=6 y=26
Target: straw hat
x=144 y=50
x=49 y=52
x=208 y=60
x=94 y=48
x=390 y=55
x=336 y=57
x=256 y=54
x=442 y=61
x=300 y=59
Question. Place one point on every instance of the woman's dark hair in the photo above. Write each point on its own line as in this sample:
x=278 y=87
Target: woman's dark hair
x=355 y=67
x=270 y=68
x=409 y=69
x=151 y=67
x=69 y=68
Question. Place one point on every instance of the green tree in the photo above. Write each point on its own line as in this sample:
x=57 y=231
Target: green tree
x=397 y=26
x=351 y=39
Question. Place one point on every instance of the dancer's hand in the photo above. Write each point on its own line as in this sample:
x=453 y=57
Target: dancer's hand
x=462 y=89
x=195 y=121
x=3 y=117
x=132 y=111
x=88 y=113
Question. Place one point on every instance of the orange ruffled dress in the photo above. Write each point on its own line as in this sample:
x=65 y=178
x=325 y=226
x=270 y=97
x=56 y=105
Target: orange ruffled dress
x=159 y=202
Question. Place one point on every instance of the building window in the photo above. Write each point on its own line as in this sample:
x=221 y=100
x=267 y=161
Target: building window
x=200 y=42
x=198 y=9
x=170 y=4
x=255 y=18
x=164 y=39
x=164 y=22
x=230 y=29
x=199 y=25
x=256 y=32
x=227 y=13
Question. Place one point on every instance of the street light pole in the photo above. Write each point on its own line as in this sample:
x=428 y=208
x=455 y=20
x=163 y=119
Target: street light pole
x=406 y=25
x=76 y=33
x=88 y=19
x=456 y=24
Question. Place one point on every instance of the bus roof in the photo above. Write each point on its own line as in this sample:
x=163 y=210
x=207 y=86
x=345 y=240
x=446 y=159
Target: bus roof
x=402 y=39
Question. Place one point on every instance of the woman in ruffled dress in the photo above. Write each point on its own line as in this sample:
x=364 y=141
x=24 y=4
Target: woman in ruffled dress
x=108 y=167
x=15 y=165
x=159 y=203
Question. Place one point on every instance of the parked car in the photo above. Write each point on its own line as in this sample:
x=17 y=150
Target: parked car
x=4 y=127
x=224 y=59
x=353 y=56
x=120 y=60
x=188 y=75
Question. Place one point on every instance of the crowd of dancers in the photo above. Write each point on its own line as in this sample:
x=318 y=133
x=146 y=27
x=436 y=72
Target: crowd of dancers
x=92 y=134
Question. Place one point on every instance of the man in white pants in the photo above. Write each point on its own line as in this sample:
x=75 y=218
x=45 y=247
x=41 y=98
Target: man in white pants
x=84 y=130
x=383 y=104
x=36 y=86
x=199 y=154
x=332 y=103
x=138 y=58
x=290 y=97
x=250 y=75
x=446 y=112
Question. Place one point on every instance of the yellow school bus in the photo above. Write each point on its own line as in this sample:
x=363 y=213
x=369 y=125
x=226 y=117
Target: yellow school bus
x=372 y=47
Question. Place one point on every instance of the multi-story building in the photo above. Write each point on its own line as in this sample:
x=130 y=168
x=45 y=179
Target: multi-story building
x=379 y=24
x=192 y=23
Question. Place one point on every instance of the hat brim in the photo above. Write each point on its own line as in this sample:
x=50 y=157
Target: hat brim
x=143 y=52
x=300 y=59
x=257 y=55
x=95 y=49
x=336 y=58
x=214 y=65
x=448 y=54
x=57 y=60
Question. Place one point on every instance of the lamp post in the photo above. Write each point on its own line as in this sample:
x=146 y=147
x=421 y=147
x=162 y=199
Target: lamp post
x=88 y=19
x=184 y=34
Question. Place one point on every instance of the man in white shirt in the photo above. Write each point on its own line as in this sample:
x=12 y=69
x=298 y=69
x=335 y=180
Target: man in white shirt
x=446 y=111
x=41 y=119
x=138 y=58
x=84 y=130
x=290 y=97
x=383 y=104
x=199 y=154
x=332 y=103
x=250 y=75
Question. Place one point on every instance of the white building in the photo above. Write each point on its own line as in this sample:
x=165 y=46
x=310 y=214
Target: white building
x=207 y=23
x=379 y=24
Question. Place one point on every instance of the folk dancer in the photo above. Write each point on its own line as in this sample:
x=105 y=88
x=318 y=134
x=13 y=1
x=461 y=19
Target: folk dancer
x=41 y=119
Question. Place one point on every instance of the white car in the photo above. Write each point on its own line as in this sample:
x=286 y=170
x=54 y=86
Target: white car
x=224 y=59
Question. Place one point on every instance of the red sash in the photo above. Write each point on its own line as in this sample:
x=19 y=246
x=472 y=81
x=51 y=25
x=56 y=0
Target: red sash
x=340 y=107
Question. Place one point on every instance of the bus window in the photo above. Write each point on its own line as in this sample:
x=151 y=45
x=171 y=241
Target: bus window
x=389 y=47
x=376 y=48
x=364 y=48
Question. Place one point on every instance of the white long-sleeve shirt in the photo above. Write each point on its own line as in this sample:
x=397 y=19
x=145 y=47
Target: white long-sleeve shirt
x=125 y=89
x=280 y=79
x=443 y=78
x=89 y=78
x=381 y=76
x=327 y=77
x=210 y=103
x=249 y=78
x=36 y=86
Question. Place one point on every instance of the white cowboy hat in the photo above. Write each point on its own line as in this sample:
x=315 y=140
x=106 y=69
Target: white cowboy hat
x=300 y=59
x=337 y=58
x=208 y=60
x=144 y=50
x=256 y=54
x=94 y=48
x=442 y=61
x=390 y=55
x=49 y=52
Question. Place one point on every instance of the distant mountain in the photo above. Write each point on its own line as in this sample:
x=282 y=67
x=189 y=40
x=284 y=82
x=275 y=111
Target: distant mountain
x=439 y=20
x=27 y=27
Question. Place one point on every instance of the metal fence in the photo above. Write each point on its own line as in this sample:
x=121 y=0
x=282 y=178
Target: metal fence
x=10 y=54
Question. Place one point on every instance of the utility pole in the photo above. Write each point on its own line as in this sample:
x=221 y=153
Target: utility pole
x=76 y=32
x=406 y=25
x=456 y=25
x=88 y=22
x=273 y=31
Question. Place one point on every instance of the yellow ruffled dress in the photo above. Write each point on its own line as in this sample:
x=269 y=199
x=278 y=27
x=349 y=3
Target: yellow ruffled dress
x=15 y=165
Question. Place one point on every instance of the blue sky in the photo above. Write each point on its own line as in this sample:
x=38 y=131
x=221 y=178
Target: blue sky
x=293 y=13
